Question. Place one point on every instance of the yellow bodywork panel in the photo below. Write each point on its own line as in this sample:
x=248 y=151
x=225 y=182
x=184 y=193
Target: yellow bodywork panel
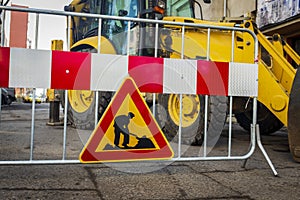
x=282 y=70
x=106 y=47
x=271 y=94
x=220 y=42
x=275 y=79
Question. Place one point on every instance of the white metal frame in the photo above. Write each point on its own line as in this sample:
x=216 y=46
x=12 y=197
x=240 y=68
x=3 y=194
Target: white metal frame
x=255 y=135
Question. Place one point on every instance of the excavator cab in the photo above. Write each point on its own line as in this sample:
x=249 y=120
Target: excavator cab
x=115 y=30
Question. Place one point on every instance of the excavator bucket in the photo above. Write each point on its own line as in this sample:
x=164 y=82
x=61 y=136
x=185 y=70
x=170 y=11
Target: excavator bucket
x=294 y=118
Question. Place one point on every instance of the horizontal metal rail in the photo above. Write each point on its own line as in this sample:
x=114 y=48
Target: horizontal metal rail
x=75 y=14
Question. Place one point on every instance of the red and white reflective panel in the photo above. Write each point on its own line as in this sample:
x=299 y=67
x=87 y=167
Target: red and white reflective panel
x=86 y=71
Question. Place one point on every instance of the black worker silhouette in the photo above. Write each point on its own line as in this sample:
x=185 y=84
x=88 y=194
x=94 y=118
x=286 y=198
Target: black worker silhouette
x=121 y=123
x=121 y=126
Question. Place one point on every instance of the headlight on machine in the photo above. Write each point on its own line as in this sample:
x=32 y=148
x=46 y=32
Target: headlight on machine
x=160 y=6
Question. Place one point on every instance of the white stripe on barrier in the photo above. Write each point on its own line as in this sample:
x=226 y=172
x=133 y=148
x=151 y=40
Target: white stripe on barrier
x=29 y=68
x=108 y=71
x=180 y=76
x=243 y=79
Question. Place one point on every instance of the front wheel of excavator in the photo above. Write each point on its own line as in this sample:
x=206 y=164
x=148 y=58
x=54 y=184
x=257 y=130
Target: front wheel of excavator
x=293 y=118
x=267 y=121
x=81 y=108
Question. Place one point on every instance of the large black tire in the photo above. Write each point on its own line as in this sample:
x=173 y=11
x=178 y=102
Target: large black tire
x=193 y=134
x=267 y=121
x=86 y=120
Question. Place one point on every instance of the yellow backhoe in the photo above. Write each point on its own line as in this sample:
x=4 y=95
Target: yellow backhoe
x=279 y=82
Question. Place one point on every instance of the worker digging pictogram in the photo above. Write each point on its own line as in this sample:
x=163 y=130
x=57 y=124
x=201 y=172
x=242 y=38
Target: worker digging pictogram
x=121 y=123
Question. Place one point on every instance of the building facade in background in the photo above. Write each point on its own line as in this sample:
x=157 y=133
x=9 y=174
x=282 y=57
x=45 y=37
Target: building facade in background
x=18 y=37
x=218 y=9
x=18 y=28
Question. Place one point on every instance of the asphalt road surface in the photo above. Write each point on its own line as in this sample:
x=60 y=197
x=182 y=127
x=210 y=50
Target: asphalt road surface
x=136 y=180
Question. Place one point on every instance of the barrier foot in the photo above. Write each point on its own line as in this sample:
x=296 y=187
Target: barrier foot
x=244 y=163
x=262 y=149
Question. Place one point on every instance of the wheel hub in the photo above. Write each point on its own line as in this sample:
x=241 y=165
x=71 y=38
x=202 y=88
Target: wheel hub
x=80 y=100
x=190 y=109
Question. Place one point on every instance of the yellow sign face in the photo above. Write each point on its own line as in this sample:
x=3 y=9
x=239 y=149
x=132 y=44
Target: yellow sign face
x=137 y=127
x=127 y=131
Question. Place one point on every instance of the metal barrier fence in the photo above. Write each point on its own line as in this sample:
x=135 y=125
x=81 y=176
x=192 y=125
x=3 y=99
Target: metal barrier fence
x=233 y=88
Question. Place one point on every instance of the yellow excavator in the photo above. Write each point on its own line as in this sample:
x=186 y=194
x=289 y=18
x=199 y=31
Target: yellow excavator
x=279 y=82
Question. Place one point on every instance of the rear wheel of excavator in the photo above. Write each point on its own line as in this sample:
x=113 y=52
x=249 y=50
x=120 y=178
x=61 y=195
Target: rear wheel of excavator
x=193 y=110
x=267 y=121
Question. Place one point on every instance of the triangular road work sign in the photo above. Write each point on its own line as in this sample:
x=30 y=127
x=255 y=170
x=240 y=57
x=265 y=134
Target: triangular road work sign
x=127 y=131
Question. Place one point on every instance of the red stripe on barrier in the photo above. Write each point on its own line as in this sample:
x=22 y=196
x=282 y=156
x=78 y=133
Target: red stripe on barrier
x=71 y=70
x=147 y=73
x=212 y=78
x=4 y=66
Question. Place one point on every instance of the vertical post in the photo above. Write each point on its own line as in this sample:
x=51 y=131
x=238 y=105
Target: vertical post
x=205 y=126
x=128 y=38
x=225 y=8
x=99 y=51
x=32 y=124
x=37 y=19
x=180 y=125
x=2 y=45
x=180 y=98
x=96 y=108
x=232 y=46
x=206 y=99
x=99 y=34
x=155 y=55
x=208 y=45
x=230 y=126
x=182 y=42
x=2 y=27
x=156 y=40
x=230 y=100
x=65 y=125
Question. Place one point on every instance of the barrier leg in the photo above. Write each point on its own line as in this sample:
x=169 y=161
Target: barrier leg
x=264 y=152
x=252 y=127
x=262 y=149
